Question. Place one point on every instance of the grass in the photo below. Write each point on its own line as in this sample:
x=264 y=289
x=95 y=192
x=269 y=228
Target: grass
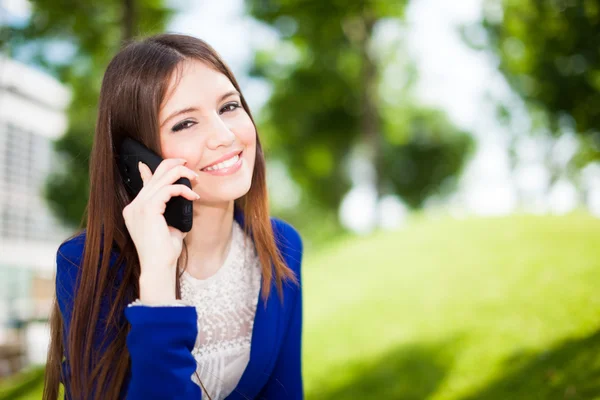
x=498 y=308
x=27 y=385
x=505 y=308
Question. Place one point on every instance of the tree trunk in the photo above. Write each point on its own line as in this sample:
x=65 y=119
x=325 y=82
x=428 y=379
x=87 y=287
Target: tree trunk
x=128 y=19
x=369 y=121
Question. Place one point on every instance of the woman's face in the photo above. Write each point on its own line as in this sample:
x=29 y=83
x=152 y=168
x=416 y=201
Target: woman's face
x=202 y=120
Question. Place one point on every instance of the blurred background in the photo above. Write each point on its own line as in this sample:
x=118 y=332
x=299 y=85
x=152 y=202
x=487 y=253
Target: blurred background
x=439 y=158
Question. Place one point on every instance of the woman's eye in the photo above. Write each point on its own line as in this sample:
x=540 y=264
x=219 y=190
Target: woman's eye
x=183 y=125
x=230 y=107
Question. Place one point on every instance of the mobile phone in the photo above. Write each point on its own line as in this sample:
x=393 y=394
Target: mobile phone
x=179 y=210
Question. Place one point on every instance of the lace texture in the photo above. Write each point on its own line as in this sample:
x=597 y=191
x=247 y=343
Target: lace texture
x=226 y=305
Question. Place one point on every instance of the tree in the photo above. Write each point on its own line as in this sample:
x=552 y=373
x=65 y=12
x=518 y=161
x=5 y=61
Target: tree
x=74 y=41
x=328 y=78
x=548 y=53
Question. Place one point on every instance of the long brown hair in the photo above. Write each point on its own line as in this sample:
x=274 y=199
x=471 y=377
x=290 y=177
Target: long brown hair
x=133 y=88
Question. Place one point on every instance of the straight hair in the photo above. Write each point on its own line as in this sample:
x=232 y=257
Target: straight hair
x=133 y=89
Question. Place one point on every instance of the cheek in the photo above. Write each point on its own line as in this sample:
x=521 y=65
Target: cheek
x=182 y=149
x=248 y=137
x=248 y=140
x=244 y=130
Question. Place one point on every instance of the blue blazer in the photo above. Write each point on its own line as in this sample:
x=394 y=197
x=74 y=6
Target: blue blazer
x=161 y=339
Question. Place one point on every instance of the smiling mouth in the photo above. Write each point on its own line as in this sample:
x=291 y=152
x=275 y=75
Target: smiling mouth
x=224 y=164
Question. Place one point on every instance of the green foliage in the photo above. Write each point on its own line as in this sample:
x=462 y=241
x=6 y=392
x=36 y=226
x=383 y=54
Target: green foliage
x=74 y=41
x=548 y=52
x=327 y=99
x=428 y=159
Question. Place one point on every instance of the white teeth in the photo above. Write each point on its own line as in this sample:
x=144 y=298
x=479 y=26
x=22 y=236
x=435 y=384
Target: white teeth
x=224 y=164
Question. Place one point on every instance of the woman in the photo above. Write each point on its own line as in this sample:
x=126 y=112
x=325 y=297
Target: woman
x=172 y=315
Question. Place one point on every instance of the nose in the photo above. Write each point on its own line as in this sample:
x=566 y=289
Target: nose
x=219 y=134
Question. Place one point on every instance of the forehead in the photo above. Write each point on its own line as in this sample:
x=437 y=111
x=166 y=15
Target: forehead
x=193 y=83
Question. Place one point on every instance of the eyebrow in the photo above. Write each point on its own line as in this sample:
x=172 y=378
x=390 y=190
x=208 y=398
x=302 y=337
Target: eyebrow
x=191 y=109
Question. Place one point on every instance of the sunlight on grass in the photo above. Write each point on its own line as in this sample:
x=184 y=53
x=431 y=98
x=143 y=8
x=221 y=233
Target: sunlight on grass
x=444 y=308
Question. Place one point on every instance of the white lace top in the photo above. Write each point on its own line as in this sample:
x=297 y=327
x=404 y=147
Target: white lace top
x=226 y=305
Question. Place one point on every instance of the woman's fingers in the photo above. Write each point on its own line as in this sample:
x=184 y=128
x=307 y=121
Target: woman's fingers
x=165 y=193
x=166 y=165
x=144 y=217
x=145 y=172
x=174 y=174
x=153 y=182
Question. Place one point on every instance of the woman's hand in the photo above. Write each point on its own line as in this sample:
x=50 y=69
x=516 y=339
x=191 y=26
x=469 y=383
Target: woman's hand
x=158 y=245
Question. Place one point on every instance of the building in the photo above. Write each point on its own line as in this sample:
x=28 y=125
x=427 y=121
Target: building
x=32 y=116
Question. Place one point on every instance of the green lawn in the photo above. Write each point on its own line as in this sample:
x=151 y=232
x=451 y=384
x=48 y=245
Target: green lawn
x=27 y=385
x=505 y=308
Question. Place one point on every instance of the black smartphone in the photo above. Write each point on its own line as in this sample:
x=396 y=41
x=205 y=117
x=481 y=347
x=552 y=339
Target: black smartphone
x=178 y=212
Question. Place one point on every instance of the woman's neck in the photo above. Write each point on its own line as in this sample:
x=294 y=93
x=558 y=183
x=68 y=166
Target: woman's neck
x=210 y=238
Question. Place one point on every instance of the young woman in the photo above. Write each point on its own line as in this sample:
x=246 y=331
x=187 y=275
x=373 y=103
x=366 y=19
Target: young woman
x=212 y=313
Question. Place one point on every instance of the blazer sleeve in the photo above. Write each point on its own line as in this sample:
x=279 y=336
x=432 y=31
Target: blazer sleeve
x=160 y=344
x=160 y=341
x=285 y=381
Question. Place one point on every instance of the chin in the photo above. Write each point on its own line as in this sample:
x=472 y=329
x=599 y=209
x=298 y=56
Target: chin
x=235 y=193
x=226 y=192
